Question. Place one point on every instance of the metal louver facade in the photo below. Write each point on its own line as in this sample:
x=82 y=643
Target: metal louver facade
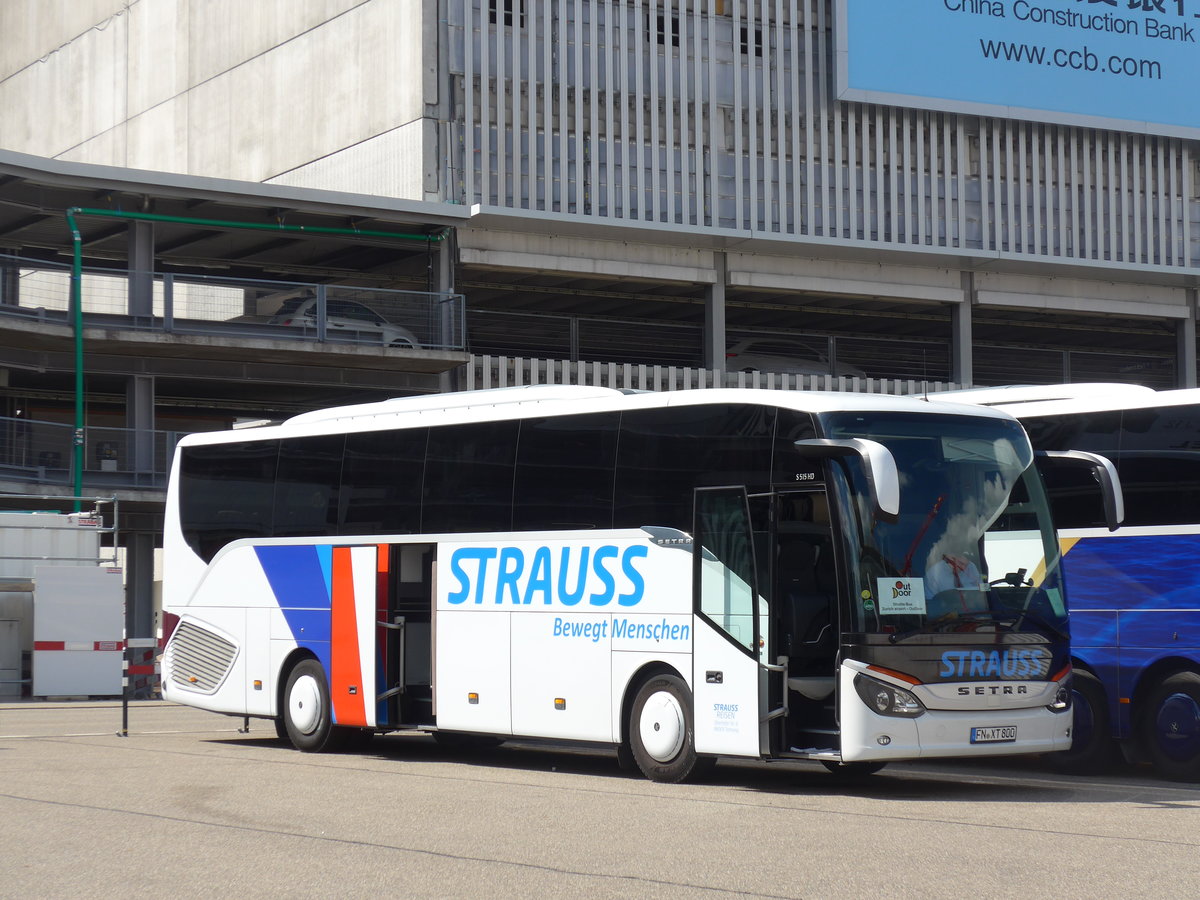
x=721 y=115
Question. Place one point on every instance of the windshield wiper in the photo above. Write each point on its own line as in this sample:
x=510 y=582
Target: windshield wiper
x=1011 y=623
x=1042 y=622
x=940 y=624
x=931 y=627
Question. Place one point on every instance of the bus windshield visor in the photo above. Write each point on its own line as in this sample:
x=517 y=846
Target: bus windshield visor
x=973 y=549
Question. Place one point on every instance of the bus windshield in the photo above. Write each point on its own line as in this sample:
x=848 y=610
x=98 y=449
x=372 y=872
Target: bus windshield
x=973 y=548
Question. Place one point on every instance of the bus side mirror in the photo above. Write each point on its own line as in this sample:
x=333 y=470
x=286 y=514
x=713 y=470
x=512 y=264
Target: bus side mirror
x=1106 y=475
x=880 y=466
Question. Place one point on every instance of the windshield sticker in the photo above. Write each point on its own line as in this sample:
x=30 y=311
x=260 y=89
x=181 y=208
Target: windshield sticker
x=900 y=596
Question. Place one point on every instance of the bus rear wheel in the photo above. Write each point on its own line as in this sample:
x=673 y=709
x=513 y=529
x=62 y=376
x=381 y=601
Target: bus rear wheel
x=307 y=713
x=661 y=736
x=1171 y=726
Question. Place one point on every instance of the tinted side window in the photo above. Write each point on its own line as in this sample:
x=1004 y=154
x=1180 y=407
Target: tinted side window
x=381 y=482
x=665 y=453
x=469 y=478
x=226 y=492
x=1099 y=432
x=788 y=466
x=306 y=487
x=565 y=472
x=1156 y=452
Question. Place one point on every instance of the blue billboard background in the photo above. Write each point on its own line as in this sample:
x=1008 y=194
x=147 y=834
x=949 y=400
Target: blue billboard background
x=1126 y=64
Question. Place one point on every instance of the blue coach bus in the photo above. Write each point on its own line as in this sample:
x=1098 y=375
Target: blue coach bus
x=1135 y=592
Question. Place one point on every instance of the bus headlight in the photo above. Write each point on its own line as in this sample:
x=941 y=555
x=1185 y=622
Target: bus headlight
x=1062 y=697
x=887 y=700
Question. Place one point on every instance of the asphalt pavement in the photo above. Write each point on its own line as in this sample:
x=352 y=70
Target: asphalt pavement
x=188 y=806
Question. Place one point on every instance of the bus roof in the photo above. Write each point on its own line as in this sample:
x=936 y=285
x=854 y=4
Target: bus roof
x=1043 y=400
x=1011 y=395
x=543 y=400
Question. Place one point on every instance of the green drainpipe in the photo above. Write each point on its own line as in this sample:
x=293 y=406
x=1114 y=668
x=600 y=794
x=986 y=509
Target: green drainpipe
x=77 y=325
x=77 y=290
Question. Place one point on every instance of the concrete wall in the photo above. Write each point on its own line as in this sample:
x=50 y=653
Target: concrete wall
x=253 y=90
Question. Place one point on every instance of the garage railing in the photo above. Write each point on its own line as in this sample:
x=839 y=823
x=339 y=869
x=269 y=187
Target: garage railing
x=238 y=307
x=38 y=452
x=508 y=371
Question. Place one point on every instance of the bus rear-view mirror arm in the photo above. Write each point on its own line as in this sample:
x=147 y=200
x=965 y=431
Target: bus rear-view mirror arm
x=1105 y=473
x=880 y=466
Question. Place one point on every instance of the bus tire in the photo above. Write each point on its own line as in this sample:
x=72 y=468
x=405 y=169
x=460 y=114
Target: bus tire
x=281 y=731
x=661 y=735
x=307 y=712
x=1092 y=746
x=625 y=760
x=1171 y=726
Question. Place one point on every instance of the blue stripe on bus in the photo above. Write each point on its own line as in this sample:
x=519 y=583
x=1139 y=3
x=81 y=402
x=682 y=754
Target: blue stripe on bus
x=1133 y=602
x=299 y=576
x=325 y=561
x=1149 y=571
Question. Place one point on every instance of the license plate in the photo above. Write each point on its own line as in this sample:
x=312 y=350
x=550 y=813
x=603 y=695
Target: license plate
x=995 y=734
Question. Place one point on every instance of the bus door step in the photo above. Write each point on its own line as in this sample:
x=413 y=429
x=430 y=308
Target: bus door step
x=813 y=687
x=814 y=753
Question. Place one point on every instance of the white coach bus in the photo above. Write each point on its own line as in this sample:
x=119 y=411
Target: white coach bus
x=762 y=574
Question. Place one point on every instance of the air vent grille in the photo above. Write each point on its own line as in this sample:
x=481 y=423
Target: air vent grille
x=199 y=659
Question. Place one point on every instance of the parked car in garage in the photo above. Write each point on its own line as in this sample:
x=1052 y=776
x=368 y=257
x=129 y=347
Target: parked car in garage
x=348 y=318
x=785 y=357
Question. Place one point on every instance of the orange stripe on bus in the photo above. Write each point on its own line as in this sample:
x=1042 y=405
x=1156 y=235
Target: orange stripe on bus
x=346 y=687
x=894 y=674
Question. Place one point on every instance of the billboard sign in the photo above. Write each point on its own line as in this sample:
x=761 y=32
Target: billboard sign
x=1131 y=65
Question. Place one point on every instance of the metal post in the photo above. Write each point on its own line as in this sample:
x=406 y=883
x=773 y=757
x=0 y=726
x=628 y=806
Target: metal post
x=322 y=313
x=168 y=303
x=124 y=732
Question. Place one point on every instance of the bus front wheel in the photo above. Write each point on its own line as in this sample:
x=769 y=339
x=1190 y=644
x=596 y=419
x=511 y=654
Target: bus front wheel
x=1171 y=726
x=1092 y=747
x=307 y=713
x=660 y=729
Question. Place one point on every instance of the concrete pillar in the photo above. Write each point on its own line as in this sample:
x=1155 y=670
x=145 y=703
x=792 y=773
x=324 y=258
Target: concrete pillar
x=962 y=362
x=141 y=269
x=139 y=584
x=714 y=317
x=139 y=419
x=1185 y=354
x=10 y=282
x=451 y=316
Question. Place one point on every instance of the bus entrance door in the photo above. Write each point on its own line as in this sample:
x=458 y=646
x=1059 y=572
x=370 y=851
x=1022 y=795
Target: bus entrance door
x=806 y=627
x=404 y=643
x=729 y=682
